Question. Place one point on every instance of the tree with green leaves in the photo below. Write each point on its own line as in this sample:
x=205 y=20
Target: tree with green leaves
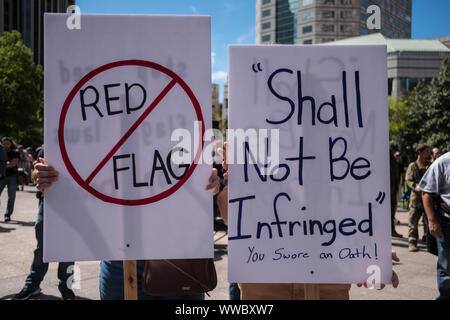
x=428 y=120
x=21 y=95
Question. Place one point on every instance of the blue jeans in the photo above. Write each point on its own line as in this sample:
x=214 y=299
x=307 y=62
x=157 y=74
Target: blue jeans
x=38 y=267
x=111 y=283
x=443 y=265
x=234 y=291
x=11 y=182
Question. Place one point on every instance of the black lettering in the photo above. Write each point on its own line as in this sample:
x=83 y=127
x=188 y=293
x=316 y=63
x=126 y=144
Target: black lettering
x=333 y=118
x=300 y=159
x=116 y=169
x=93 y=104
x=108 y=99
x=291 y=103
x=344 y=224
x=239 y=221
x=169 y=164
x=355 y=166
x=341 y=158
x=302 y=99
x=161 y=167
x=136 y=184
x=127 y=97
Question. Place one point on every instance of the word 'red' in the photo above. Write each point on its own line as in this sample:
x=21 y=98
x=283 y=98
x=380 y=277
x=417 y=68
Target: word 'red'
x=90 y=96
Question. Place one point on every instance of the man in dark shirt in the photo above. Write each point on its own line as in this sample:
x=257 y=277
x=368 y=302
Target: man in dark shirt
x=10 y=179
x=3 y=160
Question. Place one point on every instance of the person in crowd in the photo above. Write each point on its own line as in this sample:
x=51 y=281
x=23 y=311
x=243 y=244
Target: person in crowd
x=22 y=167
x=10 y=178
x=3 y=161
x=395 y=183
x=111 y=272
x=38 y=267
x=435 y=185
x=30 y=162
x=281 y=291
x=435 y=153
x=415 y=172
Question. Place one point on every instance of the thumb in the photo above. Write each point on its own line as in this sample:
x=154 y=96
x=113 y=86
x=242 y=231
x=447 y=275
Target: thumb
x=41 y=160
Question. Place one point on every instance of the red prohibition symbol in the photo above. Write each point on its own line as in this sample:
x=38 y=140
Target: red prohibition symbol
x=85 y=183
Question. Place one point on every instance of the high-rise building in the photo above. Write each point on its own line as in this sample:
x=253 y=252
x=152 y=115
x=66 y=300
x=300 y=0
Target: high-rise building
x=321 y=21
x=27 y=16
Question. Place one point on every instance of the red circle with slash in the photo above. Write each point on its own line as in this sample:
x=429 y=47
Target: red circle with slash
x=85 y=184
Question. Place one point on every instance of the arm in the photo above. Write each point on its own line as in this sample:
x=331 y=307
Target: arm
x=12 y=163
x=433 y=221
x=409 y=178
x=222 y=202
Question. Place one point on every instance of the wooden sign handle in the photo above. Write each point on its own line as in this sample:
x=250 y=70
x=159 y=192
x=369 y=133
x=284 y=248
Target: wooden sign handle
x=312 y=291
x=130 y=282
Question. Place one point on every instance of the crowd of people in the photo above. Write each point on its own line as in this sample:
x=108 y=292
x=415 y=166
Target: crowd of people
x=16 y=165
x=428 y=179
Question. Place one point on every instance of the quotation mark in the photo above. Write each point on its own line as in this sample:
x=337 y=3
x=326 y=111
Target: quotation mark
x=380 y=198
x=256 y=67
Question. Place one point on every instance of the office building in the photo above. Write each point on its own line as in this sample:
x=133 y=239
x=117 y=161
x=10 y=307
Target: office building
x=27 y=16
x=408 y=61
x=321 y=21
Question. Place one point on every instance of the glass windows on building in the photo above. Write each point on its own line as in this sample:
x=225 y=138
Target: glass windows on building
x=328 y=2
x=328 y=14
x=286 y=21
x=346 y=28
x=266 y=38
x=266 y=25
x=411 y=83
x=308 y=41
x=325 y=40
x=307 y=29
x=346 y=14
x=265 y=1
x=327 y=27
x=307 y=15
x=308 y=2
x=266 y=13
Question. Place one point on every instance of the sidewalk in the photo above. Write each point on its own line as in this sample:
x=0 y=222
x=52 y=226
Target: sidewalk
x=417 y=271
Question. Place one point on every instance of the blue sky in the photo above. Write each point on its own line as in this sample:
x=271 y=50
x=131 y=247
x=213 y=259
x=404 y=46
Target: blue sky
x=233 y=21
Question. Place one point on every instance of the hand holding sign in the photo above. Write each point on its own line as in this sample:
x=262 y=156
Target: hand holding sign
x=44 y=175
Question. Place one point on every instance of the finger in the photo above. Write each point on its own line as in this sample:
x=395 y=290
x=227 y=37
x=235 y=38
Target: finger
x=225 y=175
x=43 y=185
x=212 y=185
x=213 y=175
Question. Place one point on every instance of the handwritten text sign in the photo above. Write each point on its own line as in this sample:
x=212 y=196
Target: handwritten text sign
x=115 y=91
x=320 y=213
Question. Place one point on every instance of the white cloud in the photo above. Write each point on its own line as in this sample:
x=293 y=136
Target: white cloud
x=193 y=9
x=213 y=58
x=219 y=75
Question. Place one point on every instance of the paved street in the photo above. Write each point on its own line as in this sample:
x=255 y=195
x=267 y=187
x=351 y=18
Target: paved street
x=417 y=271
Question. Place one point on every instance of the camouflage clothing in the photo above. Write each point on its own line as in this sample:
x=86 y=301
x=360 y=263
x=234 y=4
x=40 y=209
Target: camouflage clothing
x=413 y=176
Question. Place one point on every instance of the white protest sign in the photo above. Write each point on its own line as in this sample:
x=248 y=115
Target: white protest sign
x=115 y=91
x=316 y=118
